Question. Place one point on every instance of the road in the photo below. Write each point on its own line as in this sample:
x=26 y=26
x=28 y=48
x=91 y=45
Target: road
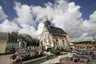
x=5 y=59
x=55 y=60
x=39 y=60
x=93 y=61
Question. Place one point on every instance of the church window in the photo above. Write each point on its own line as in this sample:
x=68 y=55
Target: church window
x=56 y=39
x=62 y=40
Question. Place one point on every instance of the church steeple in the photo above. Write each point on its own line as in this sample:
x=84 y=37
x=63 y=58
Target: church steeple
x=47 y=23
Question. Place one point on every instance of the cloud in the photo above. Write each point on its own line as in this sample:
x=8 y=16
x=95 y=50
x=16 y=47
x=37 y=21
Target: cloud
x=93 y=17
x=82 y=36
x=68 y=17
x=24 y=14
x=27 y=29
x=26 y=19
x=8 y=26
x=62 y=13
x=2 y=14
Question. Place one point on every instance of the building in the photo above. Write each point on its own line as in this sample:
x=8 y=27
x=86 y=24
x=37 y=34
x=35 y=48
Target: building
x=54 y=37
x=89 y=46
x=6 y=44
x=3 y=41
x=13 y=40
x=11 y=44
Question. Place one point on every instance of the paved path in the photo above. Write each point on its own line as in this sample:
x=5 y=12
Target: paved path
x=35 y=61
x=93 y=61
x=5 y=59
x=56 y=60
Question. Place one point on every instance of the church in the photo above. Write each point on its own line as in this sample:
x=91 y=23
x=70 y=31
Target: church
x=54 y=37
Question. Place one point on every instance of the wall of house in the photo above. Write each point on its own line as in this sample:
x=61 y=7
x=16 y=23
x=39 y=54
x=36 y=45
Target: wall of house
x=14 y=44
x=3 y=44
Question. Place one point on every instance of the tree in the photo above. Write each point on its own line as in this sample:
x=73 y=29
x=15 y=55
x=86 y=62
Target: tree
x=34 y=42
x=12 y=37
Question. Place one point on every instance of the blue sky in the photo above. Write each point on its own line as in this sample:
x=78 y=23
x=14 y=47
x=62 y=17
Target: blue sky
x=8 y=5
x=76 y=17
x=87 y=6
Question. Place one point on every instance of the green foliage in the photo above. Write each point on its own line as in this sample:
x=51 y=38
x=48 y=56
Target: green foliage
x=12 y=37
x=34 y=42
x=29 y=40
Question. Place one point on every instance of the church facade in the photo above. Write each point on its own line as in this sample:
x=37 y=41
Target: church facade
x=54 y=37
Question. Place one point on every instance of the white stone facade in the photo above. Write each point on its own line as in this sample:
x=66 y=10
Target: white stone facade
x=48 y=40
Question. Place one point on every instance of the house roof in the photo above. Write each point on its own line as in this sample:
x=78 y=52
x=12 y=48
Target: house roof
x=3 y=36
x=57 y=31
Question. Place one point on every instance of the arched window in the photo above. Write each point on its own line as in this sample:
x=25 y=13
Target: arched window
x=56 y=39
x=62 y=40
x=44 y=40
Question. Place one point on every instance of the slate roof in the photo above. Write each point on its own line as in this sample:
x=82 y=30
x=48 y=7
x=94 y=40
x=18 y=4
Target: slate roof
x=57 y=31
x=3 y=36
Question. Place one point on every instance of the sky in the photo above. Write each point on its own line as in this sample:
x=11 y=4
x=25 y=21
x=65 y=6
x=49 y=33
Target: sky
x=76 y=17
